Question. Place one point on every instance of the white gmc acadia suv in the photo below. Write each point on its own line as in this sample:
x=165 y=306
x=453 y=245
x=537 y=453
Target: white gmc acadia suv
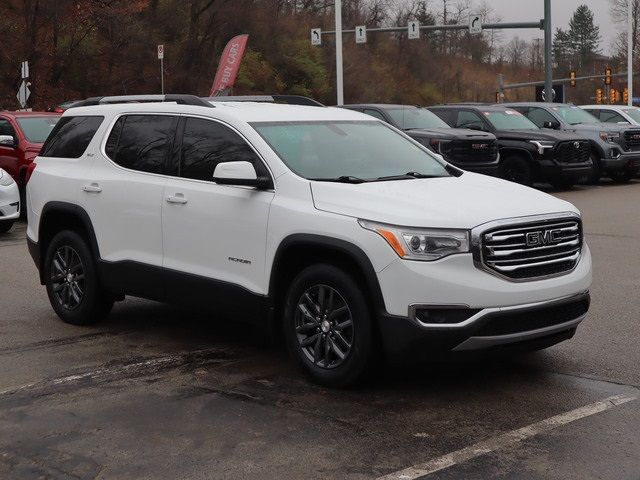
x=328 y=226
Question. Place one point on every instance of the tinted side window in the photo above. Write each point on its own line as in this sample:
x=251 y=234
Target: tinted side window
x=539 y=116
x=71 y=137
x=6 y=128
x=142 y=142
x=447 y=116
x=595 y=113
x=206 y=143
x=468 y=119
x=609 y=116
x=375 y=113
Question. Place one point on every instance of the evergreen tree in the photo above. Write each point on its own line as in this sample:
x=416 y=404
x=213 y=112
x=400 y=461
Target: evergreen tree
x=584 y=36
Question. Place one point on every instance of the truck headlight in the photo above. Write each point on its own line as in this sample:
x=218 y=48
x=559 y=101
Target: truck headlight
x=420 y=243
x=5 y=178
x=542 y=145
x=610 y=137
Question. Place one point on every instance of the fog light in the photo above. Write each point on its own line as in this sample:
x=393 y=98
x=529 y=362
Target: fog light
x=442 y=316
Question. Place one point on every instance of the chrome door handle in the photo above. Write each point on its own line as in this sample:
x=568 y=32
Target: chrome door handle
x=177 y=198
x=93 y=188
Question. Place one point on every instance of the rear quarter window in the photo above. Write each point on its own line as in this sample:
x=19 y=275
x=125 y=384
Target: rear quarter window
x=71 y=136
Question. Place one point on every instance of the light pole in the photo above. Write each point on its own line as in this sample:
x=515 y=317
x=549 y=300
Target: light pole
x=629 y=54
x=339 y=77
x=548 y=71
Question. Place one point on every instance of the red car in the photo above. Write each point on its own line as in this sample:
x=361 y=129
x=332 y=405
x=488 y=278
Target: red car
x=28 y=131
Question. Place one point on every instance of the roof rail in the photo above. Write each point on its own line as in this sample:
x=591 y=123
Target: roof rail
x=174 y=98
x=286 y=99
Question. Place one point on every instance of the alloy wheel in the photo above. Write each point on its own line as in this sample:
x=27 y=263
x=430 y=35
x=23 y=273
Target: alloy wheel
x=324 y=326
x=67 y=277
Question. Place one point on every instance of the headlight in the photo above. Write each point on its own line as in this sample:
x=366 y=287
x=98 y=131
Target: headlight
x=420 y=243
x=543 y=145
x=609 y=136
x=439 y=146
x=5 y=178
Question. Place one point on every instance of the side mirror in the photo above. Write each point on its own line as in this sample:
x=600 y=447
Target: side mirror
x=239 y=173
x=551 y=124
x=7 y=141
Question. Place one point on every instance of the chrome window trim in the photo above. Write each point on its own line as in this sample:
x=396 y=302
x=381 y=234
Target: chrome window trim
x=477 y=232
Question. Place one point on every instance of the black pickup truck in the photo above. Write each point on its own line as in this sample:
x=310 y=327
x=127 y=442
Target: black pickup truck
x=471 y=150
x=528 y=154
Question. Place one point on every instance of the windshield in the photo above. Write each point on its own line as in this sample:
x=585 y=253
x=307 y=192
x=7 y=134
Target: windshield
x=574 y=115
x=634 y=113
x=509 y=120
x=411 y=118
x=347 y=150
x=37 y=129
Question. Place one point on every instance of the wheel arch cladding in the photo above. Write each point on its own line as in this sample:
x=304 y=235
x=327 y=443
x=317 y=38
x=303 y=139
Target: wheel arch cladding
x=59 y=216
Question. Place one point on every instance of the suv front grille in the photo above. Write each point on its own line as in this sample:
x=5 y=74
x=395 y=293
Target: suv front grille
x=471 y=151
x=632 y=139
x=576 y=151
x=532 y=250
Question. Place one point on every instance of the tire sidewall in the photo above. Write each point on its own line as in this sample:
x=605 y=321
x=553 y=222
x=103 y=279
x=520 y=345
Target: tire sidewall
x=522 y=165
x=360 y=356
x=86 y=312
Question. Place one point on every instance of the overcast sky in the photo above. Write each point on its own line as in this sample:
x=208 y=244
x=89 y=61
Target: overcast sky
x=561 y=12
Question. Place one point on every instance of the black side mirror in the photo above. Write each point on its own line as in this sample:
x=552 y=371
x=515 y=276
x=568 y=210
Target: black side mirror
x=551 y=124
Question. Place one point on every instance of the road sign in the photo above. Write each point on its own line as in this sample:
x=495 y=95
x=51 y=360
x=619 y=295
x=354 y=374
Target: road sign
x=24 y=69
x=160 y=52
x=558 y=93
x=414 y=30
x=475 y=23
x=23 y=94
x=361 y=34
x=316 y=36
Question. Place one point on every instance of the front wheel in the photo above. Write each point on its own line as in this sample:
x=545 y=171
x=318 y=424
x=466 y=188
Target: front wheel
x=622 y=176
x=328 y=328
x=6 y=226
x=72 y=281
x=517 y=169
x=596 y=173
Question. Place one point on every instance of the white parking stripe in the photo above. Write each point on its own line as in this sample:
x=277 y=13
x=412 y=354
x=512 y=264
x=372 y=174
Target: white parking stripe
x=506 y=439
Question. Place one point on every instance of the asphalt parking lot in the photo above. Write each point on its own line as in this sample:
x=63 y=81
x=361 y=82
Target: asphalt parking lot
x=156 y=392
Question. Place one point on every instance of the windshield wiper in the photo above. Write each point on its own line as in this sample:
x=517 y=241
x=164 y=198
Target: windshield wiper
x=406 y=176
x=341 y=179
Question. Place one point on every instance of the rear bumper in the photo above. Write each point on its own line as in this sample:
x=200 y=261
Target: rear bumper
x=518 y=327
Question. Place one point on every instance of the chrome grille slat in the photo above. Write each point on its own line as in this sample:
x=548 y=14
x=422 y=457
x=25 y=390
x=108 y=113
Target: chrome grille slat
x=530 y=250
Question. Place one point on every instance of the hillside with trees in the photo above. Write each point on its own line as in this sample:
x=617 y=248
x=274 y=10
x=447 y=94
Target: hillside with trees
x=82 y=48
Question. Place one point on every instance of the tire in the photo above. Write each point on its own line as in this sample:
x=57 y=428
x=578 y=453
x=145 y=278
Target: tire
x=622 y=176
x=517 y=169
x=72 y=281
x=327 y=326
x=562 y=183
x=6 y=226
x=597 y=171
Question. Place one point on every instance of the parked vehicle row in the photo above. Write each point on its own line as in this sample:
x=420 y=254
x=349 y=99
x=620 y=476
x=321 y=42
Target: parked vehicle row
x=329 y=228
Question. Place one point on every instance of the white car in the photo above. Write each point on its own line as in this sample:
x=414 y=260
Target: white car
x=621 y=114
x=9 y=201
x=323 y=225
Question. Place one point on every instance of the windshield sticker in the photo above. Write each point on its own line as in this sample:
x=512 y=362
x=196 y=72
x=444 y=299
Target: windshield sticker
x=512 y=112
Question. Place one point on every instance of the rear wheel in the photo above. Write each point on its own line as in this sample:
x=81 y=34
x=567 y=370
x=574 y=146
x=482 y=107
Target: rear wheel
x=597 y=172
x=72 y=281
x=517 y=169
x=6 y=226
x=328 y=328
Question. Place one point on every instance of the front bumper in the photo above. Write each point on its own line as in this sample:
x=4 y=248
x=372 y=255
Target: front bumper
x=551 y=170
x=9 y=203
x=518 y=327
x=625 y=161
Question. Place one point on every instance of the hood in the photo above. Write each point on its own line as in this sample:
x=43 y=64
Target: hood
x=538 y=134
x=449 y=134
x=597 y=127
x=449 y=202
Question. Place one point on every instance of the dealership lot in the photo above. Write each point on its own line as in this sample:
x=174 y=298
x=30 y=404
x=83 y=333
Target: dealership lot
x=159 y=392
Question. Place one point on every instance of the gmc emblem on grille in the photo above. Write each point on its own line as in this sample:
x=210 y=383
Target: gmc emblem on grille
x=479 y=146
x=543 y=237
x=636 y=136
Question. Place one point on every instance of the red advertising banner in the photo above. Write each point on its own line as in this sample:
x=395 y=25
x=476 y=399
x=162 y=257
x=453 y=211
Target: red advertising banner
x=229 y=64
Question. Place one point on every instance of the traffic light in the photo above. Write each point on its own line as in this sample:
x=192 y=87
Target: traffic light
x=599 y=96
x=613 y=96
x=573 y=78
x=625 y=96
x=607 y=76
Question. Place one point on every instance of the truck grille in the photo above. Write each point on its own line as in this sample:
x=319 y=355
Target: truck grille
x=531 y=250
x=471 y=151
x=576 y=151
x=632 y=139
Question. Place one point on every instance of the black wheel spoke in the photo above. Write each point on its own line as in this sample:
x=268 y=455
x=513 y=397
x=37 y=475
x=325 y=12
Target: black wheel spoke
x=310 y=340
x=343 y=325
x=317 y=349
x=336 y=350
x=344 y=342
x=337 y=312
x=67 y=277
x=315 y=306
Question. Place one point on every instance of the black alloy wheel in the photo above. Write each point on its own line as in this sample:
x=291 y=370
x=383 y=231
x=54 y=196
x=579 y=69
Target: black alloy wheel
x=67 y=277
x=324 y=326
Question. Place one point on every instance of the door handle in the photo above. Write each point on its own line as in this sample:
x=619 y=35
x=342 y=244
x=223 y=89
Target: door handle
x=177 y=198
x=93 y=188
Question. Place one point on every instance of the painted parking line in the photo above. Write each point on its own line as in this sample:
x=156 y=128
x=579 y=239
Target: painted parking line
x=506 y=440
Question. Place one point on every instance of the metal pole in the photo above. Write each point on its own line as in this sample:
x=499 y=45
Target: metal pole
x=162 y=76
x=629 y=54
x=548 y=68
x=339 y=72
